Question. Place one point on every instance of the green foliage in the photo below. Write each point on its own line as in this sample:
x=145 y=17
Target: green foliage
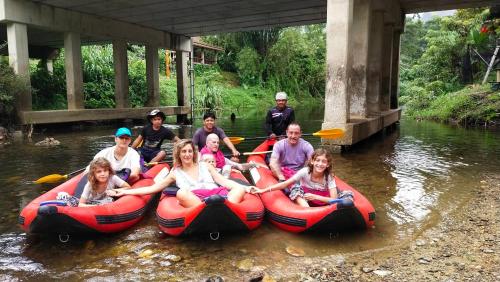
x=209 y=95
x=293 y=66
x=48 y=90
x=469 y=105
x=291 y=59
x=249 y=66
x=432 y=54
x=98 y=76
x=137 y=81
x=11 y=85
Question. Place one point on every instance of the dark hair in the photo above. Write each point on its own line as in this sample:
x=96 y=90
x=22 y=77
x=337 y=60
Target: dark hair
x=94 y=165
x=329 y=169
x=209 y=115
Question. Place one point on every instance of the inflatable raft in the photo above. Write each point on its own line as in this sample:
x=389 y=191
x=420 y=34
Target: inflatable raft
x=44 y=215
x=214 y=216
x=289 y=216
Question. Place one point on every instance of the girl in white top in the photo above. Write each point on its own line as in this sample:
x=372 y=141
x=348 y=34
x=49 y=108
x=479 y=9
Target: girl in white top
x=315 y=183
x=195 y=180
x=101 y=182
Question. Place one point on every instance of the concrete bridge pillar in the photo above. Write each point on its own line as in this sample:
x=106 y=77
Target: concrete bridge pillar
x=396 y=49
x=74 y=73
x=121 y=74
x=152 y=76
x=181 y=66
x=387 y=57
x=360 y=46
x=17 y=39
x=374 y=79
x=338 y=62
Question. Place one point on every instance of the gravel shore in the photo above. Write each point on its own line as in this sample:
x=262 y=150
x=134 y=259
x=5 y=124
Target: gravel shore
x=463 y=248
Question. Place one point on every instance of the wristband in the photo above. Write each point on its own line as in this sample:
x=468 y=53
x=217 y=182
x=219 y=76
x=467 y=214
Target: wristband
x=281 y=180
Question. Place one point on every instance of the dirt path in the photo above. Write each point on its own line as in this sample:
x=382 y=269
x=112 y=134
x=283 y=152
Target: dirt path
x=463 y=248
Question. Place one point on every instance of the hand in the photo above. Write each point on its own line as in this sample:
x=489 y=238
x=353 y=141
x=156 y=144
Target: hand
x=235 y=159
x=255 y=190
x=272 y=136
x=251 y=189
x=111 y=193
x=310 y=197
x=120 y=192
x=235 y=153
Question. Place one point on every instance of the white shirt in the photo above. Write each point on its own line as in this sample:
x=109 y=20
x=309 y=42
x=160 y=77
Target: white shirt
x=204 y=181
x=131 y=159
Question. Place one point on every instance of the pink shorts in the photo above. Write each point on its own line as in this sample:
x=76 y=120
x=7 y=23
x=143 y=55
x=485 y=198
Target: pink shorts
x=205 y=193
x=316 y=203
x=287 y=172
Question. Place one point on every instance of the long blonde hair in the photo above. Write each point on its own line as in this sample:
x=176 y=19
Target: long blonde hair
x=94 y=165
x=177 y=151
x=329 y=169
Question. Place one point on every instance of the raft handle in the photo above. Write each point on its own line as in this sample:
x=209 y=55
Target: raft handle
x=214 y=236
x=64 y=238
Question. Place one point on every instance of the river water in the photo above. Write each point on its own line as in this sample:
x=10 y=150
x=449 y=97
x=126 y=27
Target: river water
x=414 y=176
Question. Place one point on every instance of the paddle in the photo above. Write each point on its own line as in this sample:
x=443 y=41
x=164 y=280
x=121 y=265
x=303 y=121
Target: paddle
x=54 y=178
x=324 y=133
x=244 y=154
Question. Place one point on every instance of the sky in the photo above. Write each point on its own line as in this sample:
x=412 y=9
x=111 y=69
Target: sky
x=430 y=15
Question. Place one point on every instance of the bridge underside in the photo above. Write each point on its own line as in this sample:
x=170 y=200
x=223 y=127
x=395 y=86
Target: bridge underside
x=362 y=60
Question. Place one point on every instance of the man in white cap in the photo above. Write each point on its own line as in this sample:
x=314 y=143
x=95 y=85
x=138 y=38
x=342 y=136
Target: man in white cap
x=278 y=118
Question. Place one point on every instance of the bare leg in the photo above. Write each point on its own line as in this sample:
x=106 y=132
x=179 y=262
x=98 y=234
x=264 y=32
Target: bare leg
x=133 y=178
x=187 y=199
x=236 y=195
x=159 y=157
x=302 y=202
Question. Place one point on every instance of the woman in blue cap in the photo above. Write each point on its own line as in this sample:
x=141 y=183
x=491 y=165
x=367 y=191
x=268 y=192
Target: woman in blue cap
x=121 y=156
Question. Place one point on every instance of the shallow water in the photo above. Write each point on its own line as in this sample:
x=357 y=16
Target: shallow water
x=414 y=176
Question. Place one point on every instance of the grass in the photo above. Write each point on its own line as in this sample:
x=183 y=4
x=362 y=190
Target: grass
x=473 y=104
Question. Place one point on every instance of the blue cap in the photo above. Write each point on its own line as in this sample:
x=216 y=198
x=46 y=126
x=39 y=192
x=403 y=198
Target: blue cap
x=123 y=131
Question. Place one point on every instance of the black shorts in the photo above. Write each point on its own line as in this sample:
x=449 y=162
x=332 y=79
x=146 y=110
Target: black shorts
x=148 y=154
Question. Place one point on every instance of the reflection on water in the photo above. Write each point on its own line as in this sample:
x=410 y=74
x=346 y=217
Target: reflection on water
x=414 y=176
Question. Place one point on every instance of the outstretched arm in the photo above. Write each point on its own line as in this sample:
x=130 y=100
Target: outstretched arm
x=157 y=187
x=277 y=186
x=222 y=181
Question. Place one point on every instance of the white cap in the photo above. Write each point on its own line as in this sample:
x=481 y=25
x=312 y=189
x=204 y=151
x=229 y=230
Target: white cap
x=281 y=96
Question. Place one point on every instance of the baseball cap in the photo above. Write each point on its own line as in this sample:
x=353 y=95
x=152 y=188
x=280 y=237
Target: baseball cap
x=281 y=96
x=123 y=131
x=156 y=112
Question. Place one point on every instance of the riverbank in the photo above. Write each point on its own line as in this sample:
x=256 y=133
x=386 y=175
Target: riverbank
x=475 y=105
x=462 y=247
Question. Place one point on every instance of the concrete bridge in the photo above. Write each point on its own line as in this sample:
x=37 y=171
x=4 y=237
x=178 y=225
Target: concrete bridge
x=363 y=38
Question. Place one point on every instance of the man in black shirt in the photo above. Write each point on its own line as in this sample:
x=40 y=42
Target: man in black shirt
x=278 y=118
x=152 y=136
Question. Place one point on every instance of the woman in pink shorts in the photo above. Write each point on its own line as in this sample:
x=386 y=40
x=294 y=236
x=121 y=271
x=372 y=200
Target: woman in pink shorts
x=196 y=180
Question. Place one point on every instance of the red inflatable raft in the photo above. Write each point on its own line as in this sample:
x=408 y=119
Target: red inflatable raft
x=289 y=216
x=215 y=215
x=46 y=216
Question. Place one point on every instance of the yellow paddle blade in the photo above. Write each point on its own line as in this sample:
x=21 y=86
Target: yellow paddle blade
x=329 y=133
x=51 y=178
x=236 y=140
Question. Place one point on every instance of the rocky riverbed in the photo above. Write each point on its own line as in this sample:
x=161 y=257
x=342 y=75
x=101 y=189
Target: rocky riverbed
x=465 y=246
